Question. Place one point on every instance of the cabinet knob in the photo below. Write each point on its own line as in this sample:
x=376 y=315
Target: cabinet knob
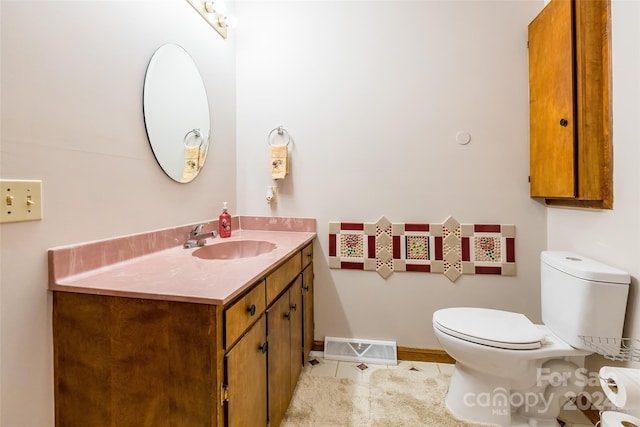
x=305 y=288
x=287 y=315
x=263 y=347
x=294 y=307
x=563 y=122
x=252 y=309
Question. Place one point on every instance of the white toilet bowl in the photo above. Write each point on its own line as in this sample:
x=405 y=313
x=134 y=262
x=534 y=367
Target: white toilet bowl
x=499 y=359
x=505 y=363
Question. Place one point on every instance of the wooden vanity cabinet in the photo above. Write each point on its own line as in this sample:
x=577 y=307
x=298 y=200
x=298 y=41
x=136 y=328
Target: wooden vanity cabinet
x=255 y=381
x=124 y=362
x=296 y=357
x=244 y=391
x=307 y=303
x=246 y=378
x=284 y=333
x=571 y=162
x=132 y=362
x=284 y=322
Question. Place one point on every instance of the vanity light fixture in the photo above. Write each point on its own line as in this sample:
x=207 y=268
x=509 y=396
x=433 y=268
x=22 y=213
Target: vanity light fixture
x=214 y=12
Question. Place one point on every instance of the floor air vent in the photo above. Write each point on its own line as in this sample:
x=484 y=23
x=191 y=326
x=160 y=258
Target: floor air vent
x=358 y=350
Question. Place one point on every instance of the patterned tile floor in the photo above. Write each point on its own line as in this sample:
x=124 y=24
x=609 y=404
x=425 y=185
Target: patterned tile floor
x=362 y=372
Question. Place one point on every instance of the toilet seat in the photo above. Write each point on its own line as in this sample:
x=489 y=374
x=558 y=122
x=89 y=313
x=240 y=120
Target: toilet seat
x=495 y=328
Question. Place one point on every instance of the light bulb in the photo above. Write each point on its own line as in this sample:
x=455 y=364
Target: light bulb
x=215 y=7
x=231 y=21
x=220 y=7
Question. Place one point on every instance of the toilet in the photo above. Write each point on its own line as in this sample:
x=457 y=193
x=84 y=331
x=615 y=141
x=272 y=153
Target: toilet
x=511 y=372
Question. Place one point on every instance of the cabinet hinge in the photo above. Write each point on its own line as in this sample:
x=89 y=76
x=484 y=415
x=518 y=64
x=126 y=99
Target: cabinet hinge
x=224 y=393
x=527 y=44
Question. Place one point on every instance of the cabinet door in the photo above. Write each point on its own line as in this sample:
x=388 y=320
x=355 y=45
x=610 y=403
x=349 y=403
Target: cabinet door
x=552 y=102
x=307 y=311
x=296 y=324
x=247 y=379
x=279 y=358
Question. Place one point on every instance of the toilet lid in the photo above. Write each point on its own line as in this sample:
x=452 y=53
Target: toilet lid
x=496 y=328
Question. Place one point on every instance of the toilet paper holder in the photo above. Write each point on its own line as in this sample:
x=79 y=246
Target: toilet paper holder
x=609 y=382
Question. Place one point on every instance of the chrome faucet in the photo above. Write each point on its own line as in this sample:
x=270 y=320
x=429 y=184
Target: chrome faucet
x=198 y=238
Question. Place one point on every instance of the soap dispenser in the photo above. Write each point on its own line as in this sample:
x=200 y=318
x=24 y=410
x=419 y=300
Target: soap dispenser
x=224 y=222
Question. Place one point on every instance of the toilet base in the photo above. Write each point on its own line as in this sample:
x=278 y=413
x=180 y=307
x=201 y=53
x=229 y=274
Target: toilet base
x=478 y=397
x=482 y=398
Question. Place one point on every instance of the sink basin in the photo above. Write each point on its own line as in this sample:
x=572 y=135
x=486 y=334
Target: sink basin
x=235 y=249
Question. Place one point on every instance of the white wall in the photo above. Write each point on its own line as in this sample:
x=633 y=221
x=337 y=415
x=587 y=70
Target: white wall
x=373 y=93
x=72 y=79
x=614 y=236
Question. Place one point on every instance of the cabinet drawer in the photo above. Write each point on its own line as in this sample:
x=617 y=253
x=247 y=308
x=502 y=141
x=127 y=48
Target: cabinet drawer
x=279 y=279
x=243 y=313
x=307 y=254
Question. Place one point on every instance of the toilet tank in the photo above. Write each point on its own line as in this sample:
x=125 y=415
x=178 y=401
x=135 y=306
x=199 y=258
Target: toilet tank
x=582 y=297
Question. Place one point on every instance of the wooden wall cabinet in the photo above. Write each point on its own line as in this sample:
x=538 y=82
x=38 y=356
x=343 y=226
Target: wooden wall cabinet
x=571 y=155
x=140 y=362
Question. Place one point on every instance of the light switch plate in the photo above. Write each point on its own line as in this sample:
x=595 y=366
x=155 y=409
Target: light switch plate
x=21 y=200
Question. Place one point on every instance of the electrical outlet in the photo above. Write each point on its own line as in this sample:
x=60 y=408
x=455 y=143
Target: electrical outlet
x=21 y=200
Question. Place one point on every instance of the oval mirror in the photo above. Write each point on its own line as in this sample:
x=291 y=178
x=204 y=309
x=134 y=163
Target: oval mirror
x=176 y=113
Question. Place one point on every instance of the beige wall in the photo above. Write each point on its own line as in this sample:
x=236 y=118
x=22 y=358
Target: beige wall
x=373 y=94
x=72 y=78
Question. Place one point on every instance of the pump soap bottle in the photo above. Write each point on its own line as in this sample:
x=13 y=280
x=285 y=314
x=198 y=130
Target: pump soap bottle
x=224 y=222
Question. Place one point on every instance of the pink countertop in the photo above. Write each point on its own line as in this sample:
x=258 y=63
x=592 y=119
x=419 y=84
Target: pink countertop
x=173 y=273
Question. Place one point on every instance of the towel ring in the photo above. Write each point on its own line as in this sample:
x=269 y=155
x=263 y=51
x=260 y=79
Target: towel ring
x=196 y=133
x=281 y=131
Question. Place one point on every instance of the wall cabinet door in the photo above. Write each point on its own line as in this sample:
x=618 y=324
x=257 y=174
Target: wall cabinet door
x=551 y=102
x=246 y=365
x=569 y=92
